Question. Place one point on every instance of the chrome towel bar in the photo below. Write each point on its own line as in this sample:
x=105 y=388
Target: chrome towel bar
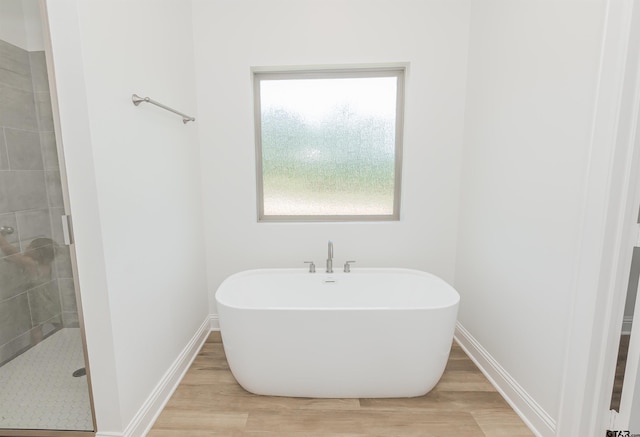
x=137 y=100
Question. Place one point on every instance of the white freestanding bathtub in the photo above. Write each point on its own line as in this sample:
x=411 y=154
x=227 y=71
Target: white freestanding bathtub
x=364 y=334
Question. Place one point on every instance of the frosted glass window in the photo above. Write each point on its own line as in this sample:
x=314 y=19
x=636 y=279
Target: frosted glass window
x=329 y=145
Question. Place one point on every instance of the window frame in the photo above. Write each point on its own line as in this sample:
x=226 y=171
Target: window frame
x=397 y=71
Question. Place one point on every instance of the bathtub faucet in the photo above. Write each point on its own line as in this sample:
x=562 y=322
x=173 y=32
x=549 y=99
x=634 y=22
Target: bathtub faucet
x=330 y=258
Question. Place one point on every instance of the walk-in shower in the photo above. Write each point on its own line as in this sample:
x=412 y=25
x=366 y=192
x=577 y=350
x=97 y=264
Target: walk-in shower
x=41 y=346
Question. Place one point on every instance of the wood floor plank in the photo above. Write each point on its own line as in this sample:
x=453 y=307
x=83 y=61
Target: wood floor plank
x=464 y=381
x=370 y=423
x=187 y=432
x=193 y=419
x=211 y=348
x=457 y=353
x=214 y=337
x=204 y=398
x=439 y=401
x=211 y=356
x=208 y=376
x=297 y=434
x=501 y=423
x=467 y=365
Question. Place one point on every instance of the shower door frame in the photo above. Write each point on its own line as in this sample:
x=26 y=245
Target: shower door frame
x=622 y=419
x=623 y=230
x=67 y=223
x=607 y=231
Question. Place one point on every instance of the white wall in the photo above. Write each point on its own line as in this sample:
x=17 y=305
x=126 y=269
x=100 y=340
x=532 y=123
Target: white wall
x=12 y=27
x=531 y=87
x=134 y=186
x=231 y=37
x=33 y=25
x=20 y=24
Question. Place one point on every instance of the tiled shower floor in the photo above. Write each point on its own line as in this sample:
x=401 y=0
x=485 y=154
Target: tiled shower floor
x=38 y=391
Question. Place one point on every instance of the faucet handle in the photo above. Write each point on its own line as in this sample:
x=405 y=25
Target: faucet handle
x=347 y=266
x=312 y=266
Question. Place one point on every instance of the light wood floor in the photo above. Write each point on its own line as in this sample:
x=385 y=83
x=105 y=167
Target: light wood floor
x=209 y=402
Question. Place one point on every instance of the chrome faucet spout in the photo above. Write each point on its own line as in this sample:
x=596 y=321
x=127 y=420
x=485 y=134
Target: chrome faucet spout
x=330 y=258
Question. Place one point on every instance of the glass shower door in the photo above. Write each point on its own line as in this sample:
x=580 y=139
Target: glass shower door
x=43 y=384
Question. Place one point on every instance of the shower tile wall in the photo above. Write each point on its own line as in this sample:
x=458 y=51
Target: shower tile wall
x=31 y=203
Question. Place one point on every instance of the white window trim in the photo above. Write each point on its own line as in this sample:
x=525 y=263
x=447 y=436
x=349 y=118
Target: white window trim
x=258 y=74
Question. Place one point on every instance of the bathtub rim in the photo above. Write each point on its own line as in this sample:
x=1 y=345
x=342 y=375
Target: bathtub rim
x=455 y=294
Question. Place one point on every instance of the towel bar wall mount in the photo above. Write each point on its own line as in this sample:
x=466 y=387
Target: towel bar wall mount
x=137 y=100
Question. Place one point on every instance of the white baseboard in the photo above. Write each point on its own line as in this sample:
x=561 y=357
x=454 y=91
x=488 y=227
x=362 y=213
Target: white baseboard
x=538 y=420
x=151 y=409
x=215 y=322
